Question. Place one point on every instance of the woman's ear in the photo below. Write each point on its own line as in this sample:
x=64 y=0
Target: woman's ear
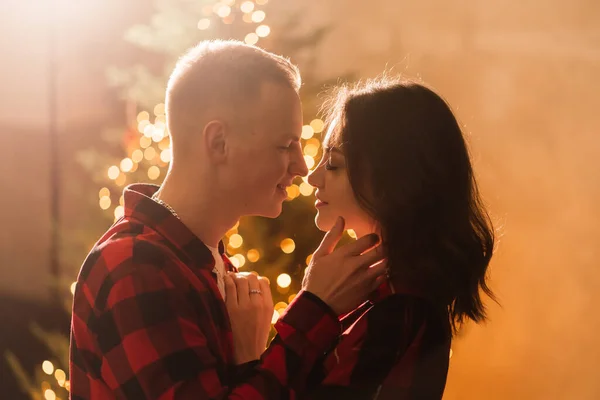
x=215 y=136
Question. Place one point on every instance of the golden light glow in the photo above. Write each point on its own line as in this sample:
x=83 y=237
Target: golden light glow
x=166 y=155
x=47 y=367
x=203 y=24
x=287 y=246
x=143 y=116
x=149 y=130
x=284 y=280
x=314 y=142
x=292 y=297
x=263 y=30
x=308 y=258
x=351 y=233
x=153 y=172
x=258 y=16
x=149 y=153
x=120 y=181
x=241 y=260
x=229 y=19
x=60 y=376
x=310 y=162
x=49 y=394
x=165 y=143
x=247 y=18
x=105 y=202
x=253 y=255
x=311 y=150
x=122 y=200
x=104 y=192
x=292 y=192
x=126 y=164
x=275 y=317
x=251 y=38
x=145 y=141
x=230 y=3
x=73 y=286
x=235 y=240
x=143 y=125
x=307 y=132
x=119 y=211
x=158 y=134
x=113 y=172
x=306 y=189
x=235 y=262
x=261 y=2
x=159 y=110
x=280 y=306
x=137 y=155
x=224 y=11
x=317 y=125
x=247 y=6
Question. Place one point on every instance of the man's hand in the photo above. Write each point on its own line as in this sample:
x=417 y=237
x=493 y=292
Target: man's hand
x=250 y=307
x=343 y=278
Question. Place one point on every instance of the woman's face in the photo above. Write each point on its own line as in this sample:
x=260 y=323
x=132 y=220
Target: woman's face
x=334 y=193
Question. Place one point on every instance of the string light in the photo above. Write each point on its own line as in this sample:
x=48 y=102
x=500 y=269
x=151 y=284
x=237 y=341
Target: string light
x=47 y=367
x=253 y=255
x=287 y=245
x=292 y=192
x=104 y=192
x=280 y=306
x=158 y=134
x=122 y=200
x=351 y=233
x=143 y=116
x=119 y=212
x=235 y=240
x=153 y=172
x=247 y=18
x=306 y=189
x=159 y=110
x=105 y=202
x=307 y=132
x=113 y=172
x=224 y=11
x=258 y=16
x=241 y=260
x=126 y=164
x=317 y=125
x=275 y=317
x=73 y=287
x=149 y=153
x=204 y=24
x=145 y=142
x=229 y=19
x=311 y=150
x=49 y=394
x=166 y=155
x=120 y=181
x=149 y=130
x=251 y=38
x=247 y=7
x=61 y=377
x=292 y=297
x=263 y=31
x=137 y=156
x=284 y=281
x=310 y=162
x=308 y=258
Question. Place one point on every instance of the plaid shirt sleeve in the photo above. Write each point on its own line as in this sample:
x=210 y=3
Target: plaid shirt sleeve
x=149 y=343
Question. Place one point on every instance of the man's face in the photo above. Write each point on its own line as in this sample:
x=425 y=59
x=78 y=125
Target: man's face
x=266 y=156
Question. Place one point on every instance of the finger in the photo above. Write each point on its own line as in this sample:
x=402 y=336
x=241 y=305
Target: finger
x=331 y=239
x=243 y=292
x=361 y=245
x=230 y=291
x=266 y=291
x=378 y=281
x=253 y=285
x=371 y=257
x=378 y=269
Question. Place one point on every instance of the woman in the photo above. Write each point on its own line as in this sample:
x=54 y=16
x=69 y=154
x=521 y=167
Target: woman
x=395 y=163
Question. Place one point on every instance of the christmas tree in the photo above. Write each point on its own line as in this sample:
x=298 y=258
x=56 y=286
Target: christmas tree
x=277 y=248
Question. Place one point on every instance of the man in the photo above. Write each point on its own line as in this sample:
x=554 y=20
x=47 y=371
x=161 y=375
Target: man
x=149 y=317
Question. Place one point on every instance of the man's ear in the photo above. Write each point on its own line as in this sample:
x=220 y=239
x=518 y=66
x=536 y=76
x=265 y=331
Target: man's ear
x=215 y=135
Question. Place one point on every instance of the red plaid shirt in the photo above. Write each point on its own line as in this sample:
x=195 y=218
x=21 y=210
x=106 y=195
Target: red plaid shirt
x=395 y=346
x=149 y=321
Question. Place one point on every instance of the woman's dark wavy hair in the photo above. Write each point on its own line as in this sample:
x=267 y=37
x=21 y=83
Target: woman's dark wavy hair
x=409 y=168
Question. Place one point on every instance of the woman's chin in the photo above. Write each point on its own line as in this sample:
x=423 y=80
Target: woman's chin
x=324 y=224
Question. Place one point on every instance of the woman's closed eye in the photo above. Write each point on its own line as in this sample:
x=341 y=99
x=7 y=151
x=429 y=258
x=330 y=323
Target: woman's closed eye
x=329 y=166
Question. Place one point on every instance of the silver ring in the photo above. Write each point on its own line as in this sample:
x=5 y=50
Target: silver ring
x=255 y=291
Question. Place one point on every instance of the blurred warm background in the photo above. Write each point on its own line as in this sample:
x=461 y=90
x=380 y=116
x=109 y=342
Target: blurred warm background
x=81 y=116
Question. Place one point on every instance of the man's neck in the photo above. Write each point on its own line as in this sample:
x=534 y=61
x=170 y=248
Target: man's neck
x=199 y=207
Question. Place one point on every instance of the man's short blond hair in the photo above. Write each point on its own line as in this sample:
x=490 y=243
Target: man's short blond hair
x=222 y=73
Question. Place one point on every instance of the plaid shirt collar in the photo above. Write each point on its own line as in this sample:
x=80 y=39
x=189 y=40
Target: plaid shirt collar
x=138 y=204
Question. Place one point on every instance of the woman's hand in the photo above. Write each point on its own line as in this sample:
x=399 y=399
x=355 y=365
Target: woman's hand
x=250 y=307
